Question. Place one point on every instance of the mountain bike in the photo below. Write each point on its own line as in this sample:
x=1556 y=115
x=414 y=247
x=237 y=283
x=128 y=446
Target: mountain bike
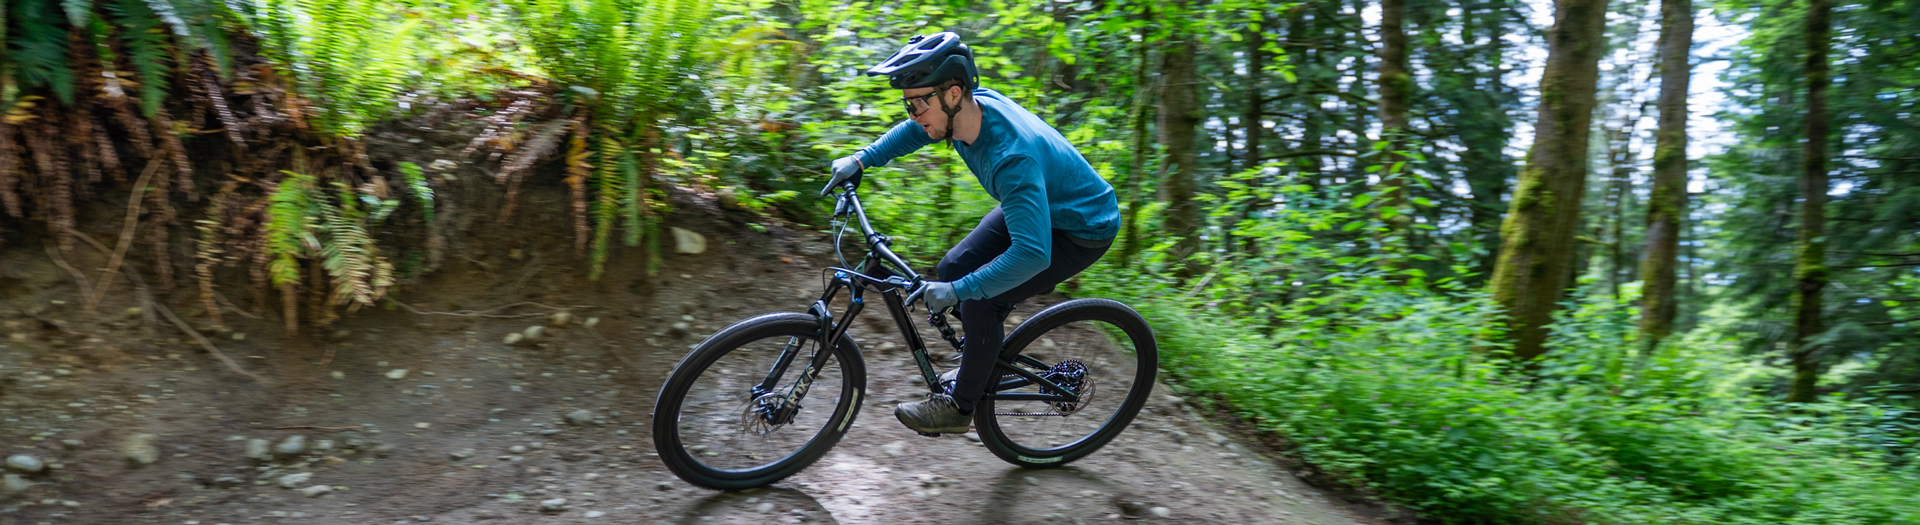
x=764 y=398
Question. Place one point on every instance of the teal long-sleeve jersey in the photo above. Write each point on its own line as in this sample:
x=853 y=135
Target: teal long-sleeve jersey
x=1041 y=181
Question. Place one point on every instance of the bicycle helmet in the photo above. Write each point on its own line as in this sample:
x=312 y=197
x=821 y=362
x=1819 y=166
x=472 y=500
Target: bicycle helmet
x=928 y=60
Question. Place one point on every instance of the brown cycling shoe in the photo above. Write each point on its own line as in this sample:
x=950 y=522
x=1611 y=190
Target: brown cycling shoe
x=938 y=414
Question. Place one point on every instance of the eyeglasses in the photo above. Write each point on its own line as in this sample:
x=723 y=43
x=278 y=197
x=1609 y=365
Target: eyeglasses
x=911 y=112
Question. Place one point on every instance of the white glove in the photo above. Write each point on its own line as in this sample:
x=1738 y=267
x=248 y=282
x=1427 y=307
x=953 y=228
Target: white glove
x=843 y=169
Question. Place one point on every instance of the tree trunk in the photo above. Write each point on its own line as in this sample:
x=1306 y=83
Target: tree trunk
x=1668 y=204
x=1142 y=94
x=1394 y=85
x=1251 y=130
x=1256 y=91
x=1619 y=190
x=1810 y=269
x=1538 y=235
x=1179 y=122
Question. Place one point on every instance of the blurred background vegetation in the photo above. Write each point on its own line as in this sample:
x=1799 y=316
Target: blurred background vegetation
x=1459 y=254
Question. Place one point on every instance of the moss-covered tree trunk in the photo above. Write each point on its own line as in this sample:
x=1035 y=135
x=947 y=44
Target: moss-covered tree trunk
x=1668 y=204
x=1810 y=269
x=1538 y=235
x=1179 y=122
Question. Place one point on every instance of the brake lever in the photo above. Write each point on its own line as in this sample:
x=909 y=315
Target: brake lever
x=915 y=295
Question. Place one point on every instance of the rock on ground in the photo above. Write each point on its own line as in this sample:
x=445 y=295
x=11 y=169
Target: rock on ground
x=581 y=417
x=25 y=464
x=259 y=449
x=14 y=485
x=139 y=449
x=293 y=446
x=686 y=241
x=295 y=480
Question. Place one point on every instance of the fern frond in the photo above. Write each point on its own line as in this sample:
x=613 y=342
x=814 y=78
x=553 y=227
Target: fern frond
x=197 y=22
x=78 y=11
x=147 y=49
x=609 y=182
x=360 y=276
x=577 y=171
x=41 y=54
x=417 y=183
x=288 y=237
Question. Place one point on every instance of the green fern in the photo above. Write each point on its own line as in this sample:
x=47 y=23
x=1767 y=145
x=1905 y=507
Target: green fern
x=147 y=49
x=360 y=275
x=41 y=48
x=288 y=228
x=417 y=183
x=610 y=178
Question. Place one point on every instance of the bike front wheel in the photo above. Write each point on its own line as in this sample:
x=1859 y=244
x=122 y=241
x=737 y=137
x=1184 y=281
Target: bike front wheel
x=1099 y=349
x=714 y=427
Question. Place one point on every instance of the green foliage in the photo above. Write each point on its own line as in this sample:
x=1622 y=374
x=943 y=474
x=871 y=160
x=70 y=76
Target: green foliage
x=289 y=228
x=417 y=184
x=350 y=56
x=360 y=275
x=147 y=48
x=40 y=40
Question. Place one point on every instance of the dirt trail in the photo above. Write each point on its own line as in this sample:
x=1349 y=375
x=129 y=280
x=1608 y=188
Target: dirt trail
x=476 y=430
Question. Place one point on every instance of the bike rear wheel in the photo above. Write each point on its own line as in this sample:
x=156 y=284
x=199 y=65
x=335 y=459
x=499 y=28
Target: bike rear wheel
x=712 y=431
x=1100 y=349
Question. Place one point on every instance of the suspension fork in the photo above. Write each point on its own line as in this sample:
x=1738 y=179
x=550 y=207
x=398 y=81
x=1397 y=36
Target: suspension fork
x=831 y=333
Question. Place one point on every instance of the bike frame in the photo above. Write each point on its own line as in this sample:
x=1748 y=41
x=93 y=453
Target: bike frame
x=874 y=274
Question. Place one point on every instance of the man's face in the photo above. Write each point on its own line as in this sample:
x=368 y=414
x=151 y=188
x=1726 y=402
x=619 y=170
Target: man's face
x=925 y=109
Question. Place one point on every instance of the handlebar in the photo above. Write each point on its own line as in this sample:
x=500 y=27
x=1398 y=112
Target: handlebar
x=847 y=203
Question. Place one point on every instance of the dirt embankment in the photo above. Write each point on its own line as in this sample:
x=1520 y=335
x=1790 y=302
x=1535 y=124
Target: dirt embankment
x=395 y=416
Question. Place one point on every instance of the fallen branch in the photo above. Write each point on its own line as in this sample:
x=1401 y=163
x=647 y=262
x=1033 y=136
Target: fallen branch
x=86 y=288
x=168 y=313
x=230 y=306
x=141 y=284
x=310 y=427
x=484 y=313
x=119 y=252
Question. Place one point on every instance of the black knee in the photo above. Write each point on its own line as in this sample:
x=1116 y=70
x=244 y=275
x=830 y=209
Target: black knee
x=950 y=269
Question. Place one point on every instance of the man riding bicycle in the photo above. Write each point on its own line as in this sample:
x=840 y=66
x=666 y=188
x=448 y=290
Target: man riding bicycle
x=1056 y=215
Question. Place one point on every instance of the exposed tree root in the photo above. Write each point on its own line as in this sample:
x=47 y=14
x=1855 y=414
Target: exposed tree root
x=126 y=233
x=168 y=313
x=86 y=289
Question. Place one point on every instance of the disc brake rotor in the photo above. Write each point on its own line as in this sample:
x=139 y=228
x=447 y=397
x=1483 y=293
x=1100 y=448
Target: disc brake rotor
x=765 y=414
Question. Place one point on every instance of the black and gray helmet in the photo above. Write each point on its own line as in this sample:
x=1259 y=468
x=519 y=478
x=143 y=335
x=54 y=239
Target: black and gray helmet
x=929 y=60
